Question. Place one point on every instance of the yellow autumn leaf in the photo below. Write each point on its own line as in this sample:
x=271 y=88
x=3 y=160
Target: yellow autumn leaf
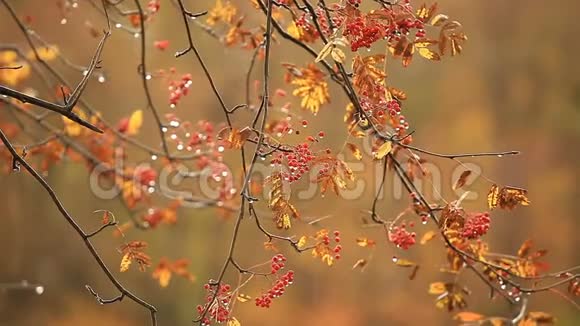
x=163 y=275
x=221 y=12
x=328 y=259
x=493 y=197
x=125 y=262
x=12 y=77
x=243 y=297
x=437 y=288
x=338 y=55
x=46 y=53
x=384 y=150
x=301 y=242
x=234 y=322
x=365 y=242
x=429 y=54
x=428 y=236
x=439 y=19
x=326 y=49
x=404 y=263
x=135 y=122
x=72 y=128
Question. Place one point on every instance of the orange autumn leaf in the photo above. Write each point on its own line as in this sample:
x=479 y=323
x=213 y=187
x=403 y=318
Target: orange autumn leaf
x=428 y=236
x=462 y=179
x=356 y=152
x=234 y=138
x=466 y=316
x=162 y=273
x=365 y=242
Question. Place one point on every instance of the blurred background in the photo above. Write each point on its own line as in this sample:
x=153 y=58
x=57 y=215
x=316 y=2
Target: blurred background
x=515 y=87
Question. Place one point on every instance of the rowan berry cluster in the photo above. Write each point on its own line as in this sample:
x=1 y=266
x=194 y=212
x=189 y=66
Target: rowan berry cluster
x=278 y=263
x=476 y=225
x=362 y=33
x=322 y=19
x=299 y=161
x=178 y=89
x=217 y=304
x=337 y=248
x=304 y=22
x=265 y=300
x=401 y=237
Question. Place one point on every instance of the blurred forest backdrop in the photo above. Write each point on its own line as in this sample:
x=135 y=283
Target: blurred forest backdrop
x=516 y=87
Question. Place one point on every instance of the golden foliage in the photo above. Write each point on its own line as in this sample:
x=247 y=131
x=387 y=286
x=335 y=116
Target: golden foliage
x=383 y=150
x=307 y=35
x=334 y=175
x=322 y=249
x=507 y=197
x=12 y=77
x=234 y=322
x=367 y=74
x=133 y=252
x=311 y=86
x=165 y=270
x=279 y=203
x=428 y=236
x=135 y=122
x=331 y=48
x=356 y=152
x=221 y=13
x=72 y=128
x=45 y=53
x=467 y=316
x=234 y=138
x=365 y=242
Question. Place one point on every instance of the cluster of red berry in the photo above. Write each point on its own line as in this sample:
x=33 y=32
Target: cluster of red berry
x=265 y=300
x=145 y=175
x=322 y=19
x=304 y=23
x=217 y=304
x=402 y=238
x=278 y=263
x=299 y=161
x=337 y=248
x=363 y=32
x=476 y=225
x=179 y=88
